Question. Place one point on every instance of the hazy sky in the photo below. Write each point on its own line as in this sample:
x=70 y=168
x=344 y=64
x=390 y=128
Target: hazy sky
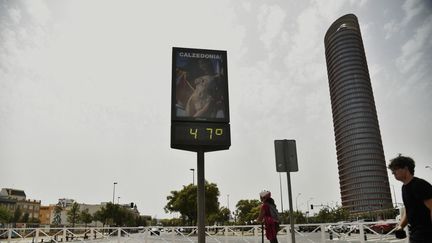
x=85 y=92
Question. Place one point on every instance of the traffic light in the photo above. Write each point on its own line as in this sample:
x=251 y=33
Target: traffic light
x=311 y=206
x=131 y=204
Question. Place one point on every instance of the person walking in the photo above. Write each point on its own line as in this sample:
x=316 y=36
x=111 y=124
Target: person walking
x=417 y=199
x=269 y=216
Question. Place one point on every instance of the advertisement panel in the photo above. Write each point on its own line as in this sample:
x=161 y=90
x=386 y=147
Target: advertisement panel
x=199 y=85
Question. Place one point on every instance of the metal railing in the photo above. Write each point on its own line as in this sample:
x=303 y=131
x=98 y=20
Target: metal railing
x=307 y=233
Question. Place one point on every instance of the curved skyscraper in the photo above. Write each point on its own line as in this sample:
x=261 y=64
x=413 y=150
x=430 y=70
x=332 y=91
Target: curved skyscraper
x=362 y=168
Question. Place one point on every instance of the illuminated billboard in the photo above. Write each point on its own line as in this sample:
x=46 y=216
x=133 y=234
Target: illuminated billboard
x=199 y=85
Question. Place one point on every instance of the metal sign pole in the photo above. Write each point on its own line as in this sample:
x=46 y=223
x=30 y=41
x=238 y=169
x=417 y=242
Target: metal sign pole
x=201 y=197
x=291 y=208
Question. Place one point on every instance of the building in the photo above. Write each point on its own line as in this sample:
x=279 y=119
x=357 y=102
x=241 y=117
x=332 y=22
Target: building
x=13 y=193
x=65 y=202
x=46 y=214
x=15 y=199
x=363 y=177
x=30 y=208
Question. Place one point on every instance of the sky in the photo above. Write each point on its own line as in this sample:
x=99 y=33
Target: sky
x=85 y=96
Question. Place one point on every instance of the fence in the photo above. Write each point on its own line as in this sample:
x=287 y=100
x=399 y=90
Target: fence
x=307 y=233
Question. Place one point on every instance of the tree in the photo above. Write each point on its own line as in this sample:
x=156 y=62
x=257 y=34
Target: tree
x=111 y=214
x=34 y=220
x=85 y=217
x=247 y=211
x=221 y=217
x=17 y=215
x=340 y=214
x=73 y=214
x=25 y=218
x=185 y=202
x=141 y=221
x=5 y=215
x=101 y=215
x=114 y=214
x=57 y=214
x=299 y=218
x=331 y=215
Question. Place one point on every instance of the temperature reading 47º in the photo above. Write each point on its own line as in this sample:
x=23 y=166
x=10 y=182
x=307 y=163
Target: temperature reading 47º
x=210 y=133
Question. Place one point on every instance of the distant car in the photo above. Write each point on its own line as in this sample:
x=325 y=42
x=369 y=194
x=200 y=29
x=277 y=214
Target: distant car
x=383 y=227
x=309 y=228
x=154 y=231
x=341 y=227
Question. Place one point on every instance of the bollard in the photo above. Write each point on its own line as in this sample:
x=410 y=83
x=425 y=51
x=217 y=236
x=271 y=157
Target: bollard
x=331 y=235
x=323 y=231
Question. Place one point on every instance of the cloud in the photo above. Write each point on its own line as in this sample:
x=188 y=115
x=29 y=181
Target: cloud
x=270 y=23
x=411 y=8
x=360 y=3
x=414 y=50
x=15 y=15
x=391 y=28
x=39 y=11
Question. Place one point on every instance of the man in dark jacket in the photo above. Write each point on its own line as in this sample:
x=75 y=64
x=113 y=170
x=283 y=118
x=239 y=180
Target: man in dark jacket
x=417 y=198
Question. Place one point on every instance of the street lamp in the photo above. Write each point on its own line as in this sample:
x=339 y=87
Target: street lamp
x=427 y=166
x=118 y=200
x=193 y=176
x=228 y=201
x=297 y=201
x=115 y=183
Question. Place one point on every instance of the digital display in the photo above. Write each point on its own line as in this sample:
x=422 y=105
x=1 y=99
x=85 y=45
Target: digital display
x=199 y=100
x=200 y=136
x=199 y=85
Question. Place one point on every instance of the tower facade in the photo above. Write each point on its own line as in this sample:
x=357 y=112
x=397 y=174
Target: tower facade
x=363 y=178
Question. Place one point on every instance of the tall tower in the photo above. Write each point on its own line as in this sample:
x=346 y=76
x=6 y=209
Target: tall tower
x=363 y=178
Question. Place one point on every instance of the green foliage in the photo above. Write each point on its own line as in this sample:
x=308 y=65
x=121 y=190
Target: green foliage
x=85 y=217
x=185 y=202
x=100 y=216
x=247 y=211
x=5 y=215
x=73 y=214
x=34 y=220
x=171 y=222
x=332 y=215
x=25 y=218
x=16 y=215
x=298 y=217
x=140 y=221
x=390 y=213
x=221 y=217
x=57 y=215
x=114 y=214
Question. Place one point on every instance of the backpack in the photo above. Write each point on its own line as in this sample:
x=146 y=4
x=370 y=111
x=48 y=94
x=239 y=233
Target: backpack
x=271 y=221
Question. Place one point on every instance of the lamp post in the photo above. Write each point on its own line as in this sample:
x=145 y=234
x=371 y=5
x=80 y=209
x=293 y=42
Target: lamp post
x=193 y=176
x=228 y=201
x=297 y=201
x=115 y=183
